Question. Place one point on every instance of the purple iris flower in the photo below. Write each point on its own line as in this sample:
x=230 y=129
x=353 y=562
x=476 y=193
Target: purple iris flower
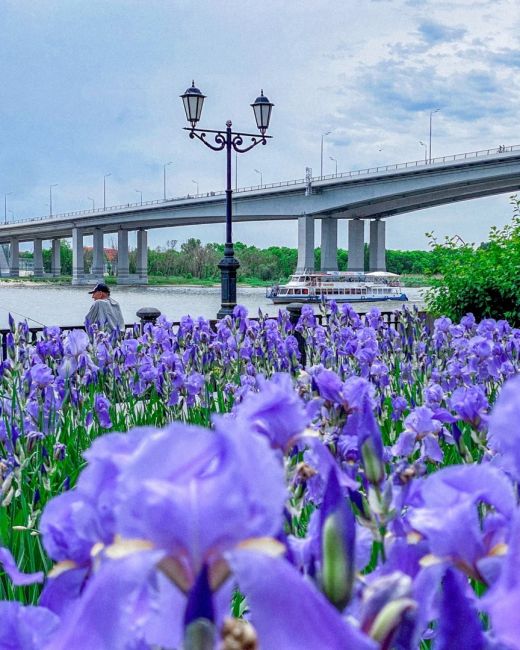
x=421 y=430
x=504 y=431
x=184 y=497
x=41 y=374
x=275 y=411
x=459 y=624
x=76 y=342
x=445 y=511
x=101 y=407
x=399 y=405
x=15 y=575
x=25 y=628
x=471 y=405
x=308 y=621
x=503 y=600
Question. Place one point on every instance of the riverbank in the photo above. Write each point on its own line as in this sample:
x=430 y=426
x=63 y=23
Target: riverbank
x=415 y=281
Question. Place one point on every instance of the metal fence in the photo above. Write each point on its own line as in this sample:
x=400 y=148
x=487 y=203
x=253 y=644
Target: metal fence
x=35 y=333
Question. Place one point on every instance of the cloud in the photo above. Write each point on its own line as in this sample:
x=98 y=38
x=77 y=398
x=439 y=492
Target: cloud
x=434 y=33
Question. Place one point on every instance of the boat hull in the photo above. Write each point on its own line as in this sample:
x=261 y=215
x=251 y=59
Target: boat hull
x=313 y=300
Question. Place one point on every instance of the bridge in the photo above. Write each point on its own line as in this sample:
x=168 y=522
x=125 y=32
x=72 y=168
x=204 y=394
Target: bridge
x=373 y=194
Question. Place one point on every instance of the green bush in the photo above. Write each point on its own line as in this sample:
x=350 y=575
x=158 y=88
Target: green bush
x=483 y=280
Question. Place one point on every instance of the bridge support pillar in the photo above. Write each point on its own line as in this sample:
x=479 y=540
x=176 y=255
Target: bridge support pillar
x=38 y=258
x=14 y=258
x=305 y=244
x=123 y=271
x=356 y=245
x=377 y=248
x=78 y=260
x=142 y=256
x=98 y=255
x=56 y=258
x=329 y=244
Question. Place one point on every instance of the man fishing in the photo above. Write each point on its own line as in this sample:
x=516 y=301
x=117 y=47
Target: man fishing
x=105 y=312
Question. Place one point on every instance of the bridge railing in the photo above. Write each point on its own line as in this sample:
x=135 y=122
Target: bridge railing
x=482 y=153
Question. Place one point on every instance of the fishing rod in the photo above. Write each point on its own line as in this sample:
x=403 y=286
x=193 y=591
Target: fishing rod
x=12 y=311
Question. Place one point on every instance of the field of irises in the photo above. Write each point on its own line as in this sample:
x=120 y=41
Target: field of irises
x=198 y=488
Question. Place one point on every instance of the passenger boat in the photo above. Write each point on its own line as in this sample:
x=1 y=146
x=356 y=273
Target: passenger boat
x=338 y=286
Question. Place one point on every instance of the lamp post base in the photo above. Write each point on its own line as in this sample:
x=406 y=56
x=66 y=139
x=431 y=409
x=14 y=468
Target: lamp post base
x=228 y=266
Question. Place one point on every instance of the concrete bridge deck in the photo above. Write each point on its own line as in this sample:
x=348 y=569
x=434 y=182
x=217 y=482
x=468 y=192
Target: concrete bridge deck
x=374 y=194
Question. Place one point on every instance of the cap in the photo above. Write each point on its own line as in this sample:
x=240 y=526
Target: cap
x=100 y=286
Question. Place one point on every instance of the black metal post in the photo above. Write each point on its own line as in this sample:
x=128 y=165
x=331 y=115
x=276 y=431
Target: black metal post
x=228 y=265
x=295 y=311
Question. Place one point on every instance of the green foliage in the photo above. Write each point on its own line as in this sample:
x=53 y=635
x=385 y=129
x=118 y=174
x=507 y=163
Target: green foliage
x=483 y=280
x=66 y=258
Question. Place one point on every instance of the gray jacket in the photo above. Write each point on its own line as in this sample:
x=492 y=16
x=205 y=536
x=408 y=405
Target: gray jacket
x=106 y=314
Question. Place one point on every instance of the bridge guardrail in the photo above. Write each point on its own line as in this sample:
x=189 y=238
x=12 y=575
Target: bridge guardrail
x=503 y=149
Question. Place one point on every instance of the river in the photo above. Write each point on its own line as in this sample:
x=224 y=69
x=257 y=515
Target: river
x=51 y=304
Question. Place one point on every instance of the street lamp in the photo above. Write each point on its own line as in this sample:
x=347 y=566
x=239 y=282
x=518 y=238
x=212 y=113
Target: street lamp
x=334 y=160
x=226 y=139
x=164 y=176
x=261 y=177
x=50 y=197
x=321 y=165
x=196 y=185
x=431 y=113
x=6 y=194
x=425 y=151
x=139 y=192
x=93 y=202
x=105 y=190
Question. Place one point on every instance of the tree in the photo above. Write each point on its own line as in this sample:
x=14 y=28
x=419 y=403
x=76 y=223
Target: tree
x=483 y=280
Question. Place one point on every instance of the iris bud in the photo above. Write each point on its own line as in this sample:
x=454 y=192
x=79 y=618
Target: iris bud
x=337 y=573
x=374 y=468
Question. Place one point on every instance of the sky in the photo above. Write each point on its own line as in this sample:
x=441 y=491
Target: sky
x=92 y=88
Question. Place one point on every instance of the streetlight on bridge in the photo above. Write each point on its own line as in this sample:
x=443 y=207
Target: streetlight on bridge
x=6 y=194
x=321 y=165
x=93 y=202
x=229 y=140
x=50 y=197
x=261 y=177
x=436 y=110
x=425 y=151
x=335 y=161
x=105 y=190
x=164 y=177
x=139 y=192
x=196 y=185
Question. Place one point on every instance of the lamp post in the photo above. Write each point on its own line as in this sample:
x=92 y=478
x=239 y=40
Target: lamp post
x=6 y=194
x=196 y=185
x=334 y=160
x=321 y=165
x=261 y=177
x=229 y=140
x=105 y=190
x=164 y=177
x=430 y=149
x=93 y=202
x=139 y=192
x=425 y=151
x=50 y=197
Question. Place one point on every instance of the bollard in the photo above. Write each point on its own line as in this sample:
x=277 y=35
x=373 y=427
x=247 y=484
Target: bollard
x=295 y=311
x=148 y=315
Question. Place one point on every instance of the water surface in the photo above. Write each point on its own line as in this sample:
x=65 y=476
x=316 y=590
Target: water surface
x=51 y=304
